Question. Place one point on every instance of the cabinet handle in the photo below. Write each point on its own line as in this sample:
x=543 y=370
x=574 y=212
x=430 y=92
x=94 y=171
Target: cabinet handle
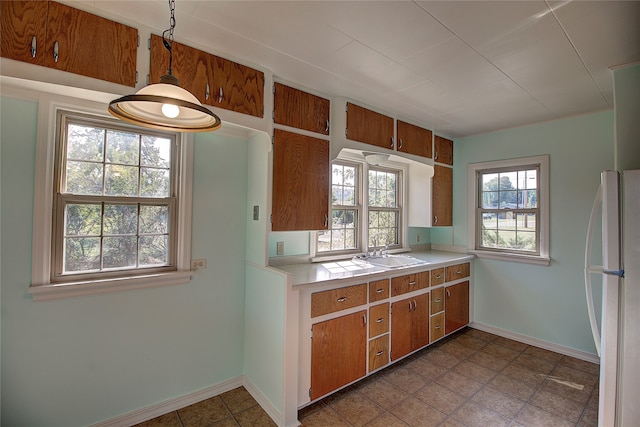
x=409 y=306
x=220 y=95
x=435 y=157
x=379 y=291
x=412 y=283
x=435 y=219
x=438 y=300
x=206 y=92
x=437 y=327
x=33 y=47
x=459 y=272
x=380 y=353
x=439 y=276
x=342 y=299
x=391 y=145
x=55 y=52
x=448 y=293
x=415 y=304
x=364 y=319
x=399 y=143
x=380 y=320
x=326 y=220
x=326 y=128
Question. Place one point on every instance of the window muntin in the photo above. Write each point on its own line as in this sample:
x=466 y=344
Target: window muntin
x=343 y=230
x=115 y=200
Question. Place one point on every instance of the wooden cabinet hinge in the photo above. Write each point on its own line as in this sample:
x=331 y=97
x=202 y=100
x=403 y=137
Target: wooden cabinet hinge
x=309 y=392
x=273 y=88
x=138 y=40
x=273 y=115
x=149 y=43
x=311 y=333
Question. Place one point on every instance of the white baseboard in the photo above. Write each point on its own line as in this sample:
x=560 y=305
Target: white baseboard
x=170 y=405
x=567 y=351
x=263 y=401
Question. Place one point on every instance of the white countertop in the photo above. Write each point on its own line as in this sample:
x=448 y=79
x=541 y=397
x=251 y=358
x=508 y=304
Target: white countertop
x=313 y=273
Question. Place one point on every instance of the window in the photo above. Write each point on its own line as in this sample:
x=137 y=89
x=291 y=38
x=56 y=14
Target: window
x=117 y=212
x=376 y=197
x=510 y=215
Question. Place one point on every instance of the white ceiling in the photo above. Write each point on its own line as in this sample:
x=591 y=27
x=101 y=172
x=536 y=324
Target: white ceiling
x=457 y=67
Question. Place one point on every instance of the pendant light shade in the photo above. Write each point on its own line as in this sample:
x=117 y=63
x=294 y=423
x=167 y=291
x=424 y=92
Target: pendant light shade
x=165 y=105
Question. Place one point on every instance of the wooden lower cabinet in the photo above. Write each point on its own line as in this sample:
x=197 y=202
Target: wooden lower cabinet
x=378 y=319
x=409 y=325
x=378 y=352
x=456 y=306
x=437 y=300
x=437 y=327
x=338 y=352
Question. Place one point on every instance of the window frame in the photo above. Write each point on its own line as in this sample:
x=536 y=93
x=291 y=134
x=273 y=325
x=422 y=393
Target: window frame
x=43 y=287
x=474 y=211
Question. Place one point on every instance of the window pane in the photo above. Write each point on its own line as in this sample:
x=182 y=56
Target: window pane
x=154 y=219
x=119 y=252
x=85 y=143
x=489 y=238
x=490 y=220
x=121 y=180
x=508 y=181
x=153 y=250
x=324 y=241
x=155 y=151
x=508 y=199
x=82 y=220
x=528 y=179
x=490 y=200
x=526 y=241
x=81 y=254
x=527 y=199
x=337 y=196
x=154 y=182
x=382 y=189
x=123 y=147
x=490 y=182
x=120 y=219
x=83 y=178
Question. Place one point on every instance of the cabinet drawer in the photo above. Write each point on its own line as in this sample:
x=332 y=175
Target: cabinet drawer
x=409 y=283
x=437 y=326
x=437 y=300
x=378 y=290
x=437 y=276
x=378 y=352
x=379 y=319
x=338 y=299
x=458 y=271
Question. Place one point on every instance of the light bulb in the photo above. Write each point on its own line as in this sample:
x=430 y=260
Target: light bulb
x=171 y=111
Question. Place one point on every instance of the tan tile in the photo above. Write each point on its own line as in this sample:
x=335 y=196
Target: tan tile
x=509 y=343
x=580 y=365
x=481 y=335
x=566 y=373
x=203 y=413
x=498 y=402
x=422 y=366
x=166 y=420
x=442 y=358
x=228 y=422
x=440 y=398
x=459 y=384
x=548 y=355
x=525 y=375
x=562 y=389
x=500 y=351
x=474 y=415
x=254 y=417
x=238 y=400
x=474 y=371
x=308 y=410
x=406 y=380
x=417 y=413
x=356 y=409
x=451 y=422
x=530 y=416
x=471 y=342
x=386 y=420
x=535 y=364
x=557 y=405
x=487 y=360
x=589 y=418
x=383 y=393
x=323 y=418
x=457 y=349
x=511 y=387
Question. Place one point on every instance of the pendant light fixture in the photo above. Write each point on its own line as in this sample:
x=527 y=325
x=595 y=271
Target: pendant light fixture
x=165 y=105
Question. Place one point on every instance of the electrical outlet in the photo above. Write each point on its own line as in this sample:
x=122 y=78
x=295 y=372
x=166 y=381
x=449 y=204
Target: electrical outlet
x=280 y=248
x=198 y=263
x=418 y=238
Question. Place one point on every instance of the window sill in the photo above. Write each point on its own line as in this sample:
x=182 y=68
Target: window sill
x=527 y=259
x=55 y=291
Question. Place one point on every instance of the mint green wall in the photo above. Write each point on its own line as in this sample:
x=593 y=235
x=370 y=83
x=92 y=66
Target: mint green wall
x=79 y=361
x=546 y=303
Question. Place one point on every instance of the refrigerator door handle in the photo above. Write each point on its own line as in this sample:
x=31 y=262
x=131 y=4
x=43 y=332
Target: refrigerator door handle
x=588 y=269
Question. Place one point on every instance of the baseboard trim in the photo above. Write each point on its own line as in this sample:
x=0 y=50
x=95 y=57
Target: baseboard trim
x=170 y=405
x=263 y=401
x=567 y=351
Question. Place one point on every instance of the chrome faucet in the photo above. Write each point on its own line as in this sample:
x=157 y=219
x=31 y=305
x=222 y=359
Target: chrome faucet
x=385 y=249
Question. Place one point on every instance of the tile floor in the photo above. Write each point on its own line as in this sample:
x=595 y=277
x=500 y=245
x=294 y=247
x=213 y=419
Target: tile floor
x=472 y=379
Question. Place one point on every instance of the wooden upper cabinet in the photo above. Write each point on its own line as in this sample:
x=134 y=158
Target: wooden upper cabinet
x=367 y=126
x=90 y=45
x=413 y=139
x=237 y=87
x=299 y=109
x=442 y=197
x=192 y=68
x=443 y=150
x=301 y=180
x=24 y=28
x=69 y=39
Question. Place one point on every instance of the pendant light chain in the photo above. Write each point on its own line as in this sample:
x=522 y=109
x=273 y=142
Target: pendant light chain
x=168 y=40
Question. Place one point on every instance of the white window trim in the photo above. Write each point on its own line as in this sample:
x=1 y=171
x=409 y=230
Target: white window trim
x=41 y=287
x=543 y=198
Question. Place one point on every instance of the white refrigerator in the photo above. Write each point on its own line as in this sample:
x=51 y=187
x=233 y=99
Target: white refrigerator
x=617 y=333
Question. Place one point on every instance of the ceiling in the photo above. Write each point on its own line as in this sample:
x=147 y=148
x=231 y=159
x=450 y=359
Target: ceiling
x=459 y=68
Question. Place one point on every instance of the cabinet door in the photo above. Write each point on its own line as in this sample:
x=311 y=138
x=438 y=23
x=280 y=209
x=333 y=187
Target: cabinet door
x=378 y=290
x=409 y=283
x=443 y=150
x=367 y=126
x=379 y=319
x=420 y=322
x=401 y=328
x=90 y=45
x=192 y=68
x=333 y=300
x=458 y=271
x=237 y=87
x=442 y=206
x=414 y=139
x=24 y=28
x=302 y=110
x=437 y=300
x=437 y=276
x=300 y=182
x=378 y=352
x=456 y=306
x=437 y=327
x=338 y=353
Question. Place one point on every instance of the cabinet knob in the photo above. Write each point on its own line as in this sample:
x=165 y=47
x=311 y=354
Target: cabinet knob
x=439 y=276
x=379 y=291
x=412 y=283
x=435 y=156
x=342 y=299
x=448 y=293
x=55 y=52
x=33 y=46
x=380 y=353
x=435 y=219
x=380 y=320
x=326 y=129
x=399 y=143
x=220 y=95
x=438 y=300
x=437 y=327
x=459 y=272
